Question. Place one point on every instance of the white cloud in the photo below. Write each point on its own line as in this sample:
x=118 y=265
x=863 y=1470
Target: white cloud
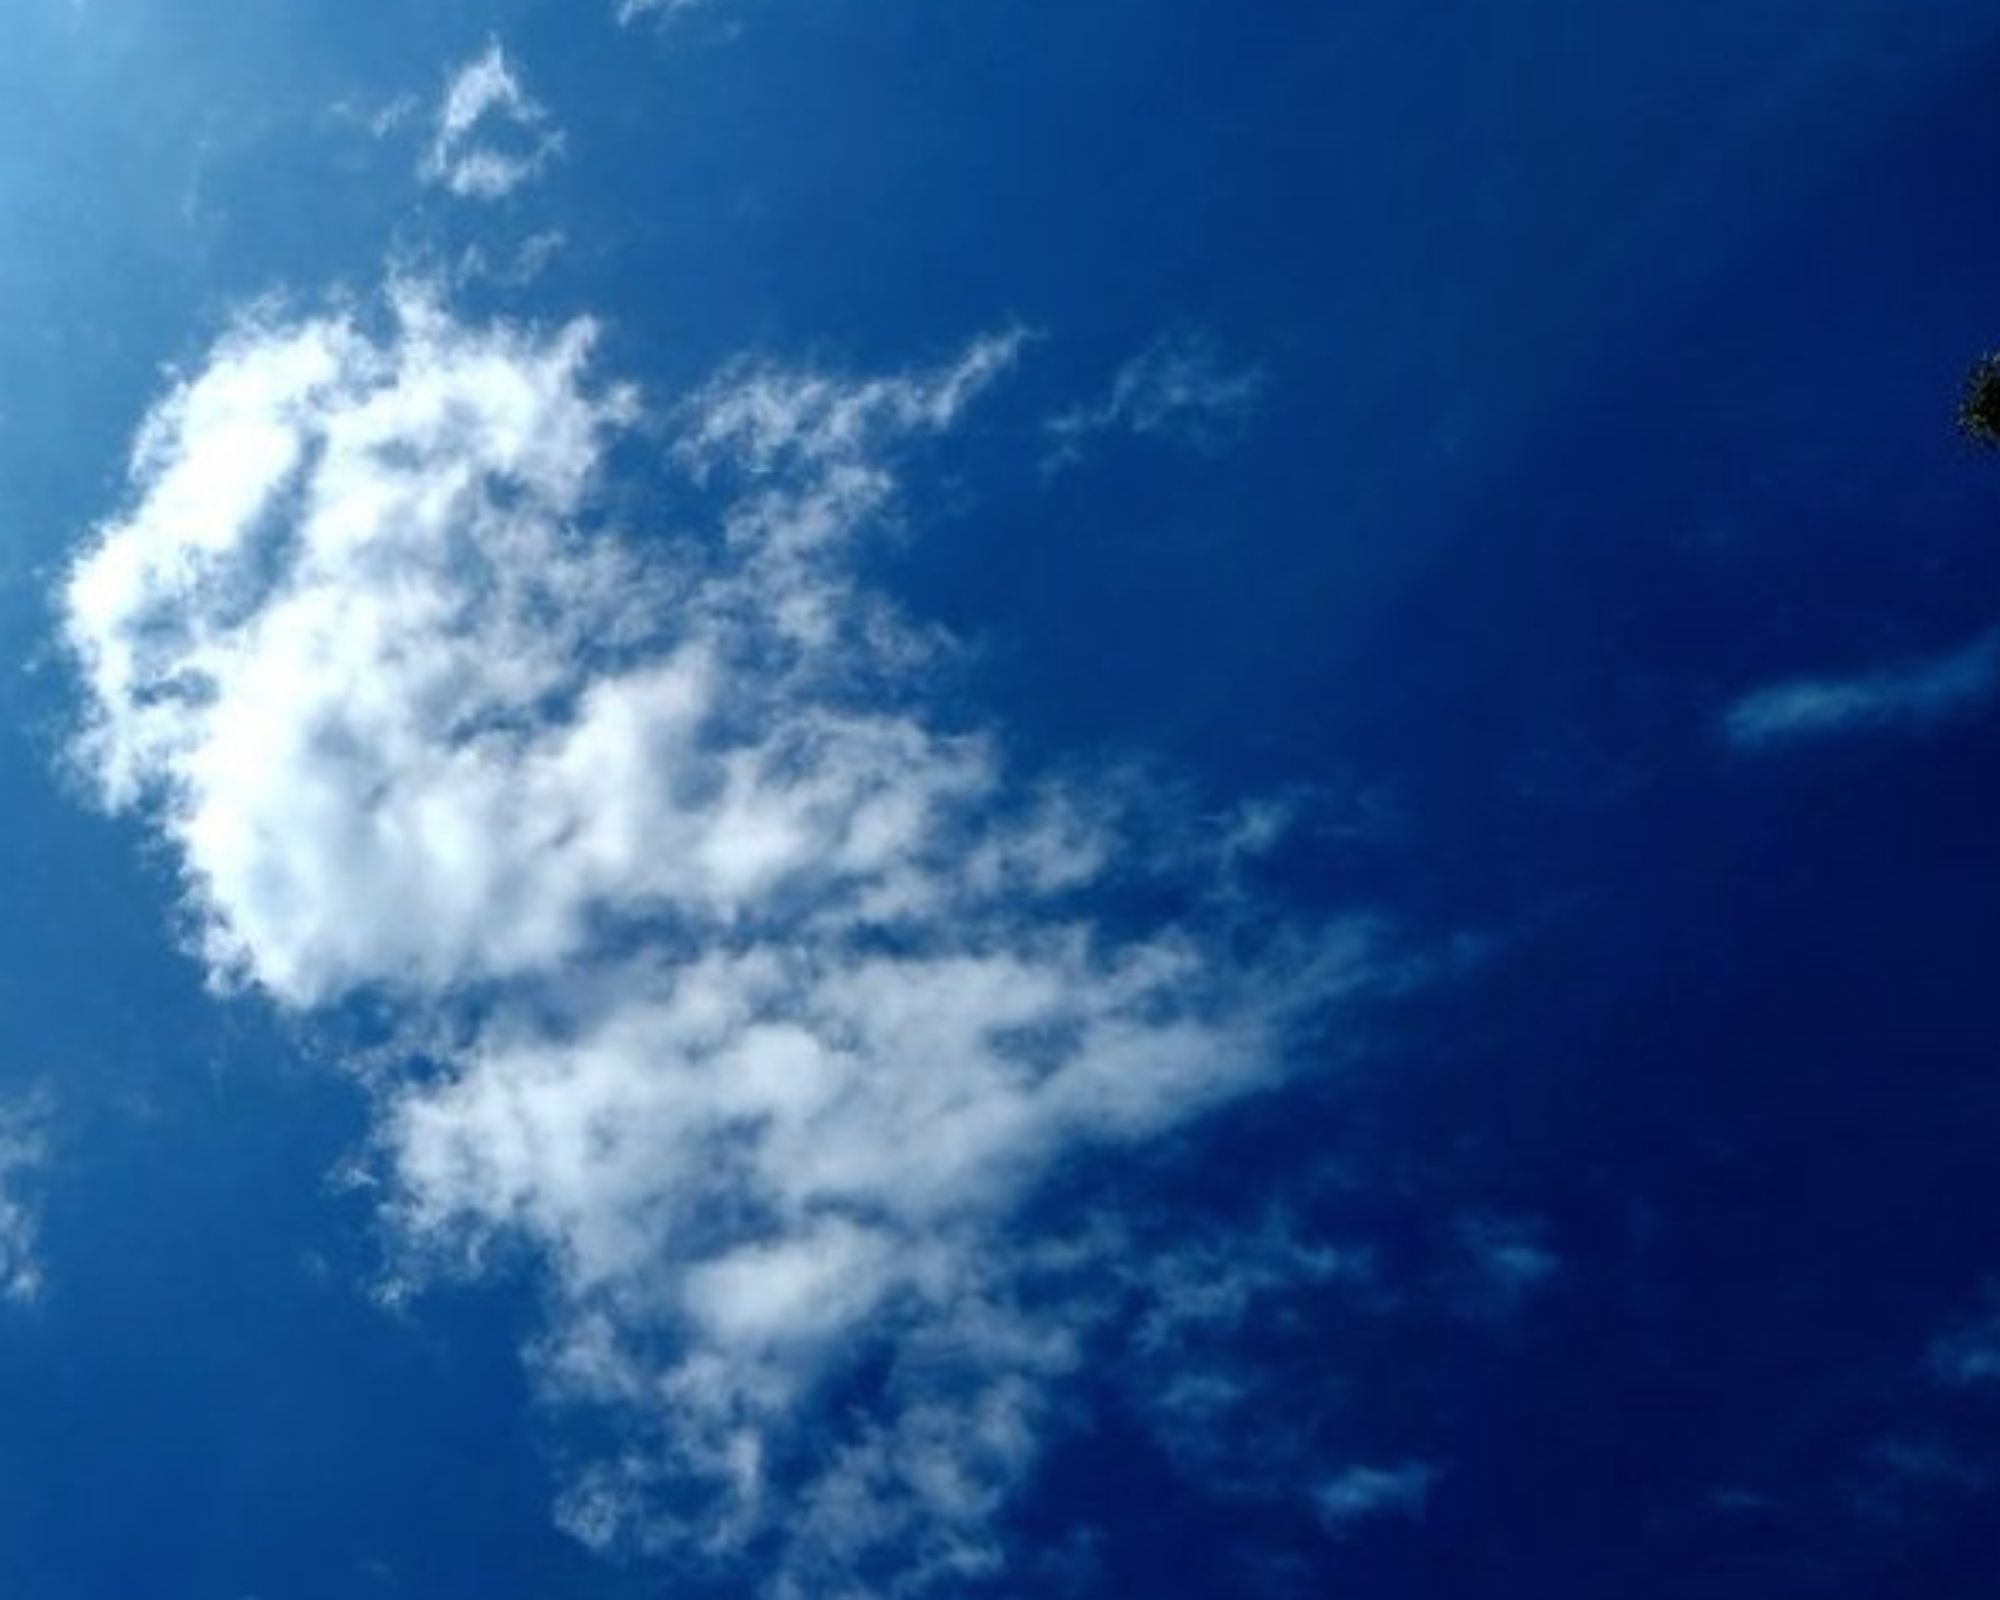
x=491 y=135
x=22 y=1153
x=754 y=999
x=1365 y=1494
x=1915 y=694
x=1178 y=387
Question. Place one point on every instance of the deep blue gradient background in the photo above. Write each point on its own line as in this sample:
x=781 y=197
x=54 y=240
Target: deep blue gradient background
x=1612 y=358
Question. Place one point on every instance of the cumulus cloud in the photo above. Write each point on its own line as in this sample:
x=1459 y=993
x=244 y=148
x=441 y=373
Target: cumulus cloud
x=1178 y=387
x=22 y=1152
x=1365 y=1494
x=753 y=997
x=1915 y=695
x=491 y=136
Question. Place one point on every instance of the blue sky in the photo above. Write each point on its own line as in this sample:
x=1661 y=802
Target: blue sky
x=839 y=798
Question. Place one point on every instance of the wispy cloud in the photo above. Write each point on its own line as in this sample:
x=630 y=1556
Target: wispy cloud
x=1913 y=694
x=22 y=1153
x=379 y=118
x=754 y=998
x=1969 y=1355
x=491 y=135
x=1501 y=1263
x=1367 y=1494
x=509 y=269
x=666 y=10
x=1232 y=1423
x=1906 y=1476
x=1178 y=387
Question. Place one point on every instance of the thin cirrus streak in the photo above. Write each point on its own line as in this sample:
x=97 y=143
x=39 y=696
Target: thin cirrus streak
x=1178 y=387
x=768 y=999
x=633 y=10
x=1913 y=694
